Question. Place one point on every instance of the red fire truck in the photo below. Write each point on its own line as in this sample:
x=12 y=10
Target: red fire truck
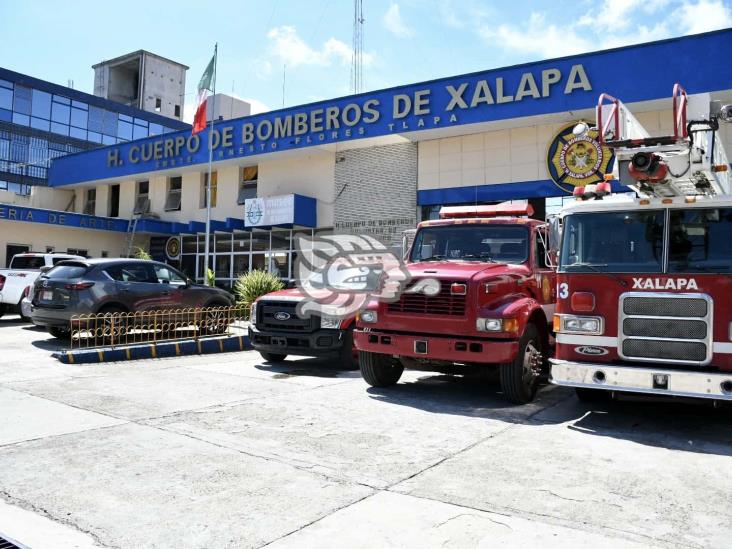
x=645 y=280
x=480 y=293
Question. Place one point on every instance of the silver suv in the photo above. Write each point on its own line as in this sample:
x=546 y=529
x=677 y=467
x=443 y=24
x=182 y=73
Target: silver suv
x=113 y=286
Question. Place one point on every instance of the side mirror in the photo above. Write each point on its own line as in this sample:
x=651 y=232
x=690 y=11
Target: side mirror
x=554 y=239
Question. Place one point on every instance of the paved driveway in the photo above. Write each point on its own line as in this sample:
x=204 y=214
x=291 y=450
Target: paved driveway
x=229 y=451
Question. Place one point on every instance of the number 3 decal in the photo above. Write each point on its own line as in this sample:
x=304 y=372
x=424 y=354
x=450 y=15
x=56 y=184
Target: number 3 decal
x=563 y=290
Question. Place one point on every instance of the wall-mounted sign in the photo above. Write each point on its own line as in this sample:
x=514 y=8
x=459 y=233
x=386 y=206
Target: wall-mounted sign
x=269 y=211
x=577 y=160
x=172 y=248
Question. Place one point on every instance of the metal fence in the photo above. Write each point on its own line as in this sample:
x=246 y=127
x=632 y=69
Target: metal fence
x=120 y=329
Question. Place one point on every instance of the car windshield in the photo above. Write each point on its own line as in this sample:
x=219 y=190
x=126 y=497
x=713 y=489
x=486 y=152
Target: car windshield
x=28 y=262
x=473 y=242
x=67 y=270
x=700 y=240
x=613 y=242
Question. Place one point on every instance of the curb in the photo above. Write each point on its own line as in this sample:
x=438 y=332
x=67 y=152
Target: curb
x=164 y=349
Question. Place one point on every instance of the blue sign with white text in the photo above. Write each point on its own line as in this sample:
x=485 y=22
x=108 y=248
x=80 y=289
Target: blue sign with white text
x=634 y=73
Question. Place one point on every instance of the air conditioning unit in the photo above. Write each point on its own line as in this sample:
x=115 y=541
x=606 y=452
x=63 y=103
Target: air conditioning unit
x=142 y=205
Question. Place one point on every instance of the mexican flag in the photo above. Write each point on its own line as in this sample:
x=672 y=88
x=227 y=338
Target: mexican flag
x=204 y=86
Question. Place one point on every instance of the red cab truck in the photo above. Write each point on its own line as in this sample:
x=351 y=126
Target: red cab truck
x=480 y=293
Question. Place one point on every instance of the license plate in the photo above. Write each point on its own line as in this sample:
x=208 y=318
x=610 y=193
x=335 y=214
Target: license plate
x=47 y=295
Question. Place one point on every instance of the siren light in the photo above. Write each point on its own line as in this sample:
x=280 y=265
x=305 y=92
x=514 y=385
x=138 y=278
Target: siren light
x=645 y=166
x=502 y=209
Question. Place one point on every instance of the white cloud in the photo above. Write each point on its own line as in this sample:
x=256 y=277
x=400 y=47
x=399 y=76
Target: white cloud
x=449 y=16
x=394 y=23
x=536 y=37
x=294 y=51
x=704 y=15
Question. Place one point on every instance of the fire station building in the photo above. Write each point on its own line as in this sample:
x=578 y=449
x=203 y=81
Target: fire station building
x=373 y=163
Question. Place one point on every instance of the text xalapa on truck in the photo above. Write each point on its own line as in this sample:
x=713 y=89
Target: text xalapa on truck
x=481 y=293
x=645 y=280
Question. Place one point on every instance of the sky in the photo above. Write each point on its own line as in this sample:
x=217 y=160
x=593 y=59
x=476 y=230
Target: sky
x=309 y=42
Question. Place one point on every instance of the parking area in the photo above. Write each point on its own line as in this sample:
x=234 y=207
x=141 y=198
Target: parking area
x=230 y=451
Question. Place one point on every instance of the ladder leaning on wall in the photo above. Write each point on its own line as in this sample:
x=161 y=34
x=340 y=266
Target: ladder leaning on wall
x=130 y=237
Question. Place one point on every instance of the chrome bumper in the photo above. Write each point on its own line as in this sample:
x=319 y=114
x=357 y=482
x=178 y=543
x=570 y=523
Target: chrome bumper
x=641 y=380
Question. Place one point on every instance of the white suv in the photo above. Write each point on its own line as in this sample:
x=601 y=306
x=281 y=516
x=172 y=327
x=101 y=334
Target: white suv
x=24 y=269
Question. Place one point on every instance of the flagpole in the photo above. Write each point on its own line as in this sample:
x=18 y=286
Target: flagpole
x=210 y=165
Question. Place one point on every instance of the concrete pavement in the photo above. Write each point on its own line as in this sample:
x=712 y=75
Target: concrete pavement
x=229 y=451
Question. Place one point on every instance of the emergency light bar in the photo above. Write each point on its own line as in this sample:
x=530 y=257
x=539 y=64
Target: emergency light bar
x=502 y=209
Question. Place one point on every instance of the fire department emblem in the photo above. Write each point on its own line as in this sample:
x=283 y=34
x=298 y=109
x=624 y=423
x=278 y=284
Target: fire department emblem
x=577 y=160
x=172 y=247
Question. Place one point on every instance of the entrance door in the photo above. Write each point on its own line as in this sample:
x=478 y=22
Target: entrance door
x=13 y=249
x=114 y=201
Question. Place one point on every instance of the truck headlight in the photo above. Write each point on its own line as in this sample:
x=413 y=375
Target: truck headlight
x=253 y=313
x=327 y=321
x=369 y=317
x=496 y=325
x=572 y=324
x=489 y=324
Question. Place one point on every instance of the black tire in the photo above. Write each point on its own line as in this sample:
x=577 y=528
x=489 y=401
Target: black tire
x=592 y=395
x=379 y=370
x=520 y=378
x=2 y=309
x=25 y=318
x=272 y=357
x=346 y=356
x=59 y=333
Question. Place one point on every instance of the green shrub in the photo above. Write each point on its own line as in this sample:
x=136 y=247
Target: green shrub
x=210 y=278
x=254 y=284
x=140 y=253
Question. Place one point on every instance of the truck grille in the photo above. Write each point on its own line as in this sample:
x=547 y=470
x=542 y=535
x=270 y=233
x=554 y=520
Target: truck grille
x=266 y=311
x=666 y=328
x=444 y=303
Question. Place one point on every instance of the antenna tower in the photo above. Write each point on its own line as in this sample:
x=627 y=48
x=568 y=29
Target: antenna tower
x=357 y=65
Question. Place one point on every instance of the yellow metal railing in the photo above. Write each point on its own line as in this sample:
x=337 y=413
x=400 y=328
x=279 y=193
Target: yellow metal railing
x=119 y=329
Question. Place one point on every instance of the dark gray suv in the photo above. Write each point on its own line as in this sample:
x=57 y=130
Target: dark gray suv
x=90 y=286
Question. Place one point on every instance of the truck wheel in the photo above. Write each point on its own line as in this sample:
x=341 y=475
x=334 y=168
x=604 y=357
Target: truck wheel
x=59 y=333
x=520 y=378
x=592 y=395
x=348 y=356
x=273 y=357
x=379 y=370
x=2 y=309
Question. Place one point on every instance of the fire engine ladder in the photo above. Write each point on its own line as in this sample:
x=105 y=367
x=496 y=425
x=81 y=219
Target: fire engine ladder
x=130 y=237
x=693 y=154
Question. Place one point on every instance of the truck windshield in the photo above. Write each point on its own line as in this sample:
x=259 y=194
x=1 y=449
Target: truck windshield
x=28 y=262
x=474 y=242
x=700 y=240
x=613 y=242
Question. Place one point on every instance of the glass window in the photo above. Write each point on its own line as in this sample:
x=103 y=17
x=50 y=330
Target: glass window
x=155 y=129
x=168 y=275
x=22 y=100
x=109 y=124
x=61 y=99
x=133 y=272
x=79 y=118
x=241 y=242
x=241 y=264
x=21 y=119
x=68 y=270
x=223 y=264
x=28 y=262
x=700 y=240
x=6 y=99
x=613 y=242
x=6 y=84
x=214 y=188
x=40 y=124
x=78 y=133
x=108 y=140
x=6 y=115
x=124 y=130
x=139 y=132
x=41 y=104
x=260 y=240
x=223 y=243
x=60 y=113
x=61 y=129
x=141 y=122
x=125 y=117
x=96 y=116
x=94 y=137
x=490 y=242
x=280 y=240
x=80 y=105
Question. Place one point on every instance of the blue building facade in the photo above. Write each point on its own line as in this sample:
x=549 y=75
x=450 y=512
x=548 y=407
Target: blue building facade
x=40 y=121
